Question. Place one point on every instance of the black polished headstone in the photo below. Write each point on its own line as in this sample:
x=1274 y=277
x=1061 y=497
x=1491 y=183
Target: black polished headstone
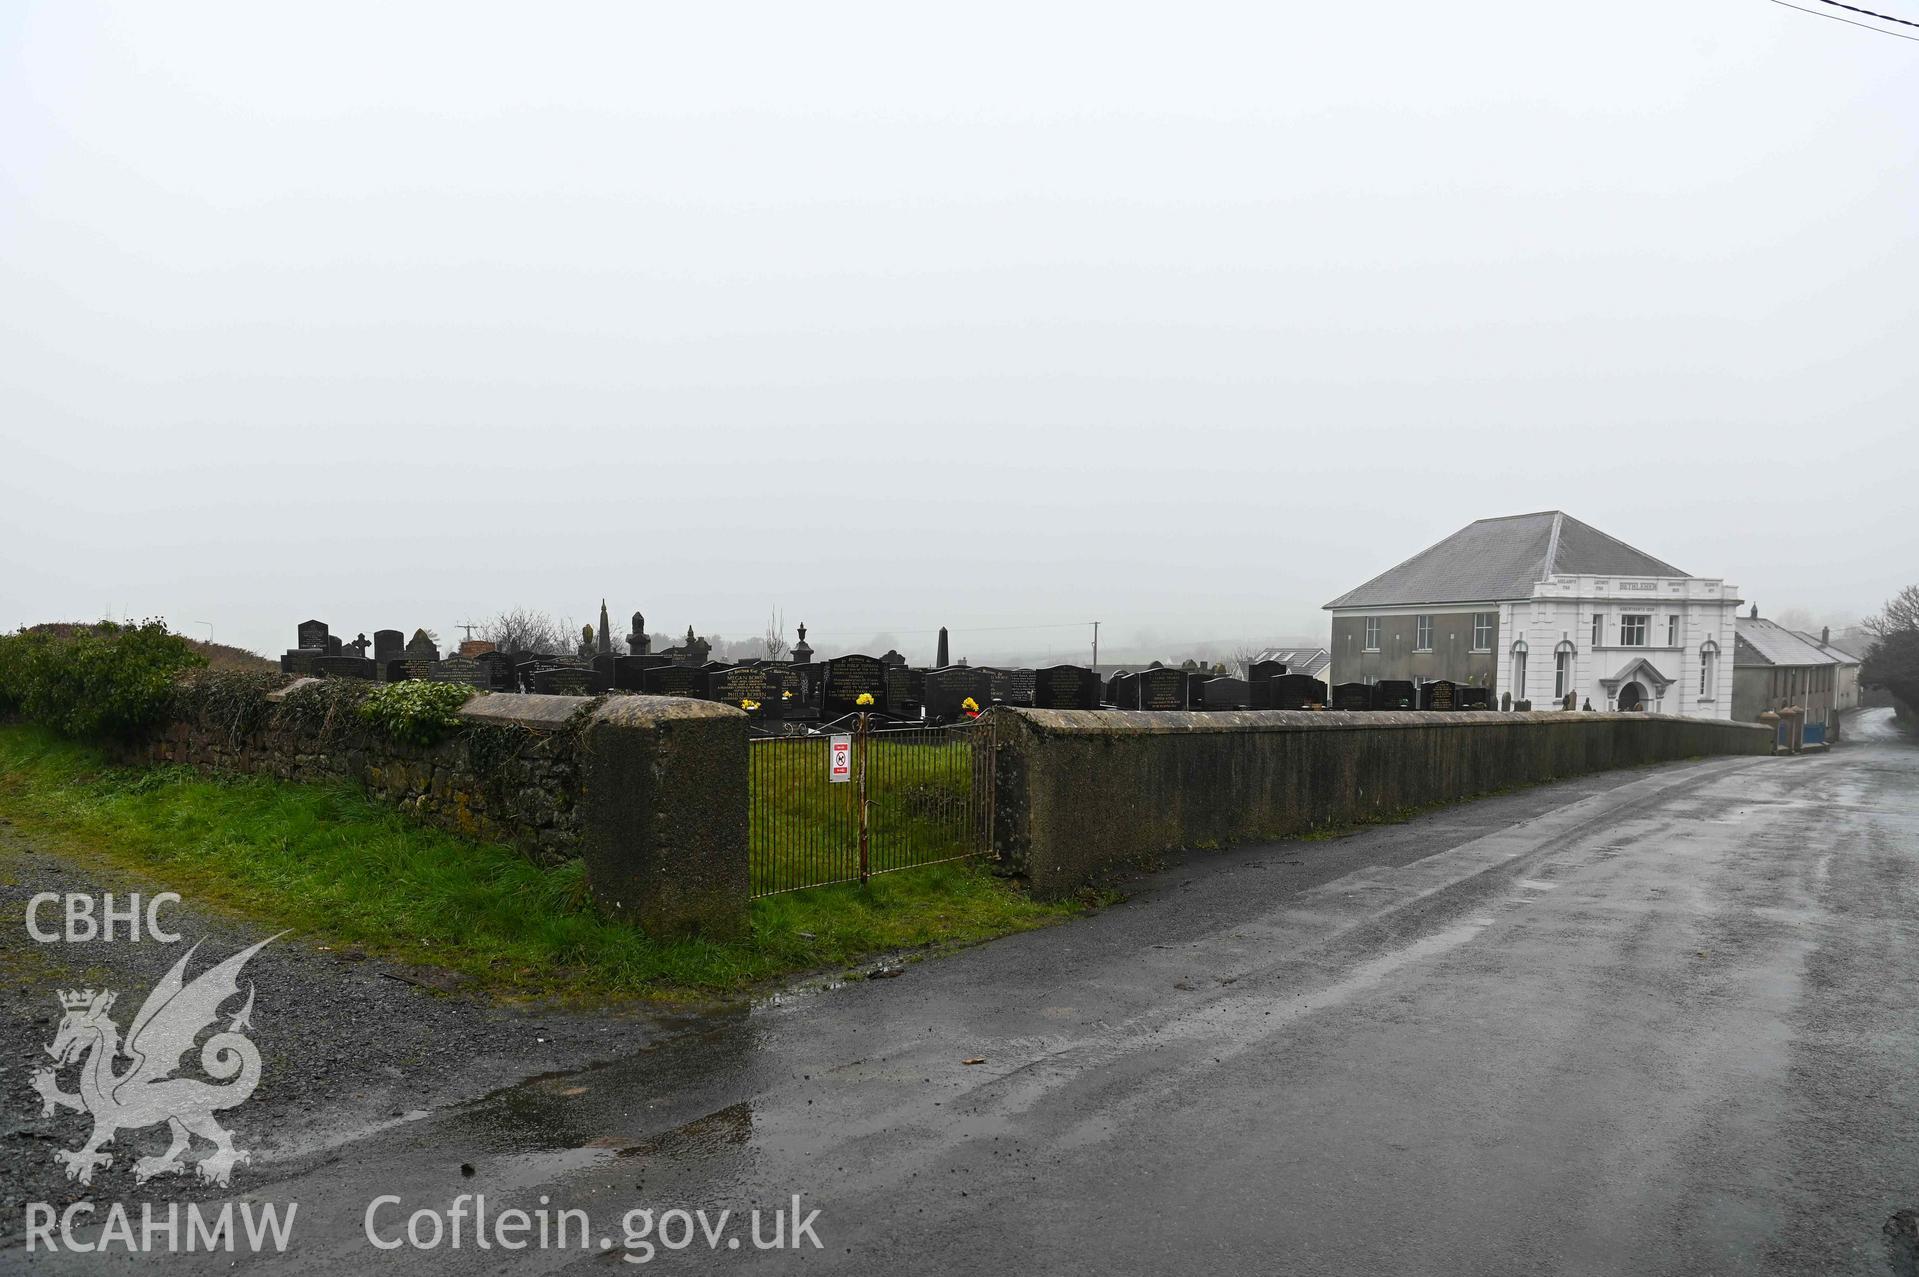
x=1352 y=696
x=1296 y=691
x=313 y=636
x=756 y=689
x=1440 y=694
x=627 y=670
x=344 y=667
x=1224 y=693
x=672 y=679
x=847 y=678
x=1475 y=698
x=1394 y=693
x=1162 y=688
x=497 y=670
x=570 y=680
x=905 y=690
x=388 y=645
x=1065 y=687
x=458 y=669
x=946 y=690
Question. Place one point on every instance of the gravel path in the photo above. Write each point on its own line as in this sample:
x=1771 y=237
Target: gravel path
x=348 y=1043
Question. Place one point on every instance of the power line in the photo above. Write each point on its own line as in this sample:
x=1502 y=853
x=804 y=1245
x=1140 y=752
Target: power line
x=1883 y=17
x=1864 y=26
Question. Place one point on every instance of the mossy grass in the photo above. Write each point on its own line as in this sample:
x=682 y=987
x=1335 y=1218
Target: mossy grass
x=341 y=869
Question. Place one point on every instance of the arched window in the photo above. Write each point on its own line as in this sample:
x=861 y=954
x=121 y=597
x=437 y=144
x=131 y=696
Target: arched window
x=1708 y=670
x=1519 y=669
x=1563 y=670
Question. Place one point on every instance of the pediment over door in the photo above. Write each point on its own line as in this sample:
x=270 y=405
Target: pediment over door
x=1640 y=670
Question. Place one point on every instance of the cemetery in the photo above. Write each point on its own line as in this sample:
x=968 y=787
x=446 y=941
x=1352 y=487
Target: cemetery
x=689 y=787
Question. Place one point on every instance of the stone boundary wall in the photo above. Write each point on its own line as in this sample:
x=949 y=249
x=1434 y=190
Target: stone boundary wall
x=650 y=791
x=1079 y=793
x=511 y=777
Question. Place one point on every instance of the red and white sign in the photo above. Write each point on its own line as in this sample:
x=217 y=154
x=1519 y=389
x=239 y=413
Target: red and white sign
x=840 y=759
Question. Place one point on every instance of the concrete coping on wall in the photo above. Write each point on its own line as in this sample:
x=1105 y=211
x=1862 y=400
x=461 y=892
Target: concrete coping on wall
x=630 y=709
x=280 y=694
x=1181 y=722
x=521 y=709
x=547 y=711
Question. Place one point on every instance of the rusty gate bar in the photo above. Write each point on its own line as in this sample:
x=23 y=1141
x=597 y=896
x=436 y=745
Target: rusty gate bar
x=918 y=796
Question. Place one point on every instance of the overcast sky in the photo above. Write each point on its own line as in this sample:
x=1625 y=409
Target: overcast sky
x=1187 y=318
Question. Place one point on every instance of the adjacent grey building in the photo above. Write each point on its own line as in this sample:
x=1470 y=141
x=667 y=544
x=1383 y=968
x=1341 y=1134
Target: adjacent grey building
x=1775 y=668
x=1543 y=605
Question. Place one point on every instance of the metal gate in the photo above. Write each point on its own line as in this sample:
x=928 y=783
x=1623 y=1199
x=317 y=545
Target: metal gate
x=914 y=796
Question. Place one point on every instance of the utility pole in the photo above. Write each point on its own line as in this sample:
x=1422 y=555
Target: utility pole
x=1095 y=644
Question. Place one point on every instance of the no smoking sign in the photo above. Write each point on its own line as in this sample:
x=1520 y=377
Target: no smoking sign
x=839 y=756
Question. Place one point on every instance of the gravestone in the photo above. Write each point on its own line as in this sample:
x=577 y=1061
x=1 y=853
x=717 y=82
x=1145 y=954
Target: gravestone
x=892 y=657
x=905 y=690
x=760 y=684
x=404 y=669
x=1019 y=687
x=334 y=647
x=1224 y=693
x=672 y=679
x=945 y=690
x=1065 y=687
x=421 y=648
x=1475 y=698
x=1161 y=689
x=1260 y=676
x=357 y=647
x=1296 y=691
x=313 y=636
x=1394 y=693
x=627 y=670
x=1440 y=694
x=496 y=668
x=302 y=662
x=343 y=667
x=458 y=669
x=1352 y=696
x=388 y=645
x=846 y=679
x=563 y=680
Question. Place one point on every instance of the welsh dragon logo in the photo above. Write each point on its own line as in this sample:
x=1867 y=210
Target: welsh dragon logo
x=146 y=1093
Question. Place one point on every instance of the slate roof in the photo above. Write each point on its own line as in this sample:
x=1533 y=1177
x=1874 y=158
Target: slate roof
x=1833 y=650
x=1763 y=642
x=1495 y=559
x=1310 y=661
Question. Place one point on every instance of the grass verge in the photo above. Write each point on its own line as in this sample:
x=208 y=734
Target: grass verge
x=330 y=863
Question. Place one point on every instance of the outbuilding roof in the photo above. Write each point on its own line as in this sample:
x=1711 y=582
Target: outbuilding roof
x=1503 y=558
x=1833 y=650
x=1298 y=660
x=1763 y=642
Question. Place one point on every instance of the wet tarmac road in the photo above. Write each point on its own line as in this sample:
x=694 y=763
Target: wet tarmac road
x=1664 y=1021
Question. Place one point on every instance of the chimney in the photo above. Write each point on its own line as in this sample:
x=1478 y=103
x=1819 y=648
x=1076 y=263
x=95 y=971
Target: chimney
x=1825 y=636
x=1755 y=612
